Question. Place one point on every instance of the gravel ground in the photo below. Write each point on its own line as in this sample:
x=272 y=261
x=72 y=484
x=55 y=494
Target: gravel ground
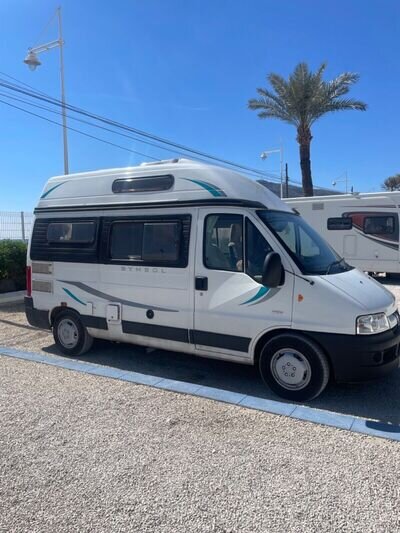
x=82 y=453
x=85 y=453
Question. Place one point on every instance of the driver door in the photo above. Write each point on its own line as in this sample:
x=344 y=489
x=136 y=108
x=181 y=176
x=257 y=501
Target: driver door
x=232 y=307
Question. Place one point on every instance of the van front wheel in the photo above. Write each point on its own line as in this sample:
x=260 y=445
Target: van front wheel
x=70 y=334
x=294 y=367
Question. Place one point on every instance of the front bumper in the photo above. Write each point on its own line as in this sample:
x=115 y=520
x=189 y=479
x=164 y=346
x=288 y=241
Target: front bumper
x=361 y=357
x=36 y=317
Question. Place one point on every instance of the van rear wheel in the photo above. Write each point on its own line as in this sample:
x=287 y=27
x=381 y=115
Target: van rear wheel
x=70 y=334
x=294 y=367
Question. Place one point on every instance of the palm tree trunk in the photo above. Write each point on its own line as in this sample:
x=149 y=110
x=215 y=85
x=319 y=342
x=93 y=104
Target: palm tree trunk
x=304 y=139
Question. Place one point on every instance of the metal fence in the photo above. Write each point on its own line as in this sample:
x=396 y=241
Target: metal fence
x=15 y=225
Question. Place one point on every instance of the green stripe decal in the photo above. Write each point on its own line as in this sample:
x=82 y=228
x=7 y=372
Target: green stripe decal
x=262 y=291
x=73 y=296
x=45 y=194
x=208 y=187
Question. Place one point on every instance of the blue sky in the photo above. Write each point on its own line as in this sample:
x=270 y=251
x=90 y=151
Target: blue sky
x=184 y=69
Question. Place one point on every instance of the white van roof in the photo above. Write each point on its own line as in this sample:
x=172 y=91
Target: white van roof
x=176 y=182
x=394 y=195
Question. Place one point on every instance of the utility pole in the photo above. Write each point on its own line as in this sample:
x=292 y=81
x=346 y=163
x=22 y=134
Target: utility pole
x=286 y=181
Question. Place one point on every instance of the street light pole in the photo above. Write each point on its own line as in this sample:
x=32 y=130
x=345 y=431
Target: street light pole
x=33 y=62
x=345 y=181
x=64 y=112
x=266 y=153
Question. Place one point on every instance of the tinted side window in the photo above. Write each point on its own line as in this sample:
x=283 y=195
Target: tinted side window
x=153 y=241
x=339 y=223
x=256 y=249
x=379 y=225
x=148 y=184
x=223 y=242
x=66 y=240
x=126 y=241
x=71 y=232
x=161 y=241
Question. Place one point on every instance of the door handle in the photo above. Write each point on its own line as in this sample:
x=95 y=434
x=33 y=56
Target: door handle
x=201 y=283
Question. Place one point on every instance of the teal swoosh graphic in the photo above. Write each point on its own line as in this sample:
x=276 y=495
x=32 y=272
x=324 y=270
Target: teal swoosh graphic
x=262 y=291
x=111 y=298
x=73 y=296
x=44 y=195
x=208 y=187
x=267 y=296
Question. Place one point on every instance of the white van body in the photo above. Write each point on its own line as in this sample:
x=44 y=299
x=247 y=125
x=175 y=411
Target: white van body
x=171 y=255
x=371 y=241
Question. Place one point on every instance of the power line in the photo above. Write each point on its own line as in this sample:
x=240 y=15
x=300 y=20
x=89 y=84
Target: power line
x=174 y=148
x=113 y=123
x=87 y=122
x=48 y=109
x=59 y=113
x=23 y=83
x=78 y=131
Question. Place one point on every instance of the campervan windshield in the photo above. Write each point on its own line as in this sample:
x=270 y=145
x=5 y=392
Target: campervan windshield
x=307 y=248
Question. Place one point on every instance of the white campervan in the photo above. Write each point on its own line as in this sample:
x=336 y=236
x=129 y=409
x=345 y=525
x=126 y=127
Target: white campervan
x=363 y=228
x=195 y=258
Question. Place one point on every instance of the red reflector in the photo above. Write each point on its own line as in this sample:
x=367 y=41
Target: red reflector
x=29 y=281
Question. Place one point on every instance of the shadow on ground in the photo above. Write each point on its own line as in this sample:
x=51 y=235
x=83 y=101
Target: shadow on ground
x=378 y=400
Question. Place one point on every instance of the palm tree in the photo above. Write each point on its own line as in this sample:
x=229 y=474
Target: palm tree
x=301 y=100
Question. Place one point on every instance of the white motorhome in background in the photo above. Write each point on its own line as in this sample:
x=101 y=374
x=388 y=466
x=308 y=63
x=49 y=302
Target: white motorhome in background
x=363 y=228
x=199 y=259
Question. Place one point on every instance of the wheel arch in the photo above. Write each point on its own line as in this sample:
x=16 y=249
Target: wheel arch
x=265 y=337
x=59 y=309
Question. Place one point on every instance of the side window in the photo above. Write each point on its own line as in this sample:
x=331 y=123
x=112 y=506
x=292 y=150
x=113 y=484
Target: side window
x=223 y=242
x=126 y=241
x=69 y=240
x=71 y=232
x=379 y=225
x=339 y=223
x=161 y=241
x=150 y=242
x=256 y=249
x=140 y=185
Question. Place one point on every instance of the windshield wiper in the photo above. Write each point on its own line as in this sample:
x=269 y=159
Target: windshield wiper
x=310 y=281
x=335 y=263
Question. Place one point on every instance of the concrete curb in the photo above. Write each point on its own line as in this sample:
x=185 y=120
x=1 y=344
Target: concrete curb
x=298 y=412
x=12 y=297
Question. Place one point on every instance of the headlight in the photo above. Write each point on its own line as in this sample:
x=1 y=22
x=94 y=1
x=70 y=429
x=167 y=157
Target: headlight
x=370 y=324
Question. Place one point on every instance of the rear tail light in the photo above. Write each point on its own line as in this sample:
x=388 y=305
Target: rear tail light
x=29 y=281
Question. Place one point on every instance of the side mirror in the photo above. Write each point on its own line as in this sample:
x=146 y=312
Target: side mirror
x=273 y=273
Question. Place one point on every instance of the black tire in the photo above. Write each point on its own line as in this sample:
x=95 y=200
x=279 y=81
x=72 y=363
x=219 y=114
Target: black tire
x=80 y=340
x=297 y=383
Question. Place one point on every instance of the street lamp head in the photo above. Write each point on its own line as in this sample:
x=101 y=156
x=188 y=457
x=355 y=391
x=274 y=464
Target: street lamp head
x=264 y=155
x=32 y=60
x=334 y=183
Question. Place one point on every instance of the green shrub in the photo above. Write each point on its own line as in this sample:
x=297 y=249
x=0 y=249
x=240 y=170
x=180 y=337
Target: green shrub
x=12 y=262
